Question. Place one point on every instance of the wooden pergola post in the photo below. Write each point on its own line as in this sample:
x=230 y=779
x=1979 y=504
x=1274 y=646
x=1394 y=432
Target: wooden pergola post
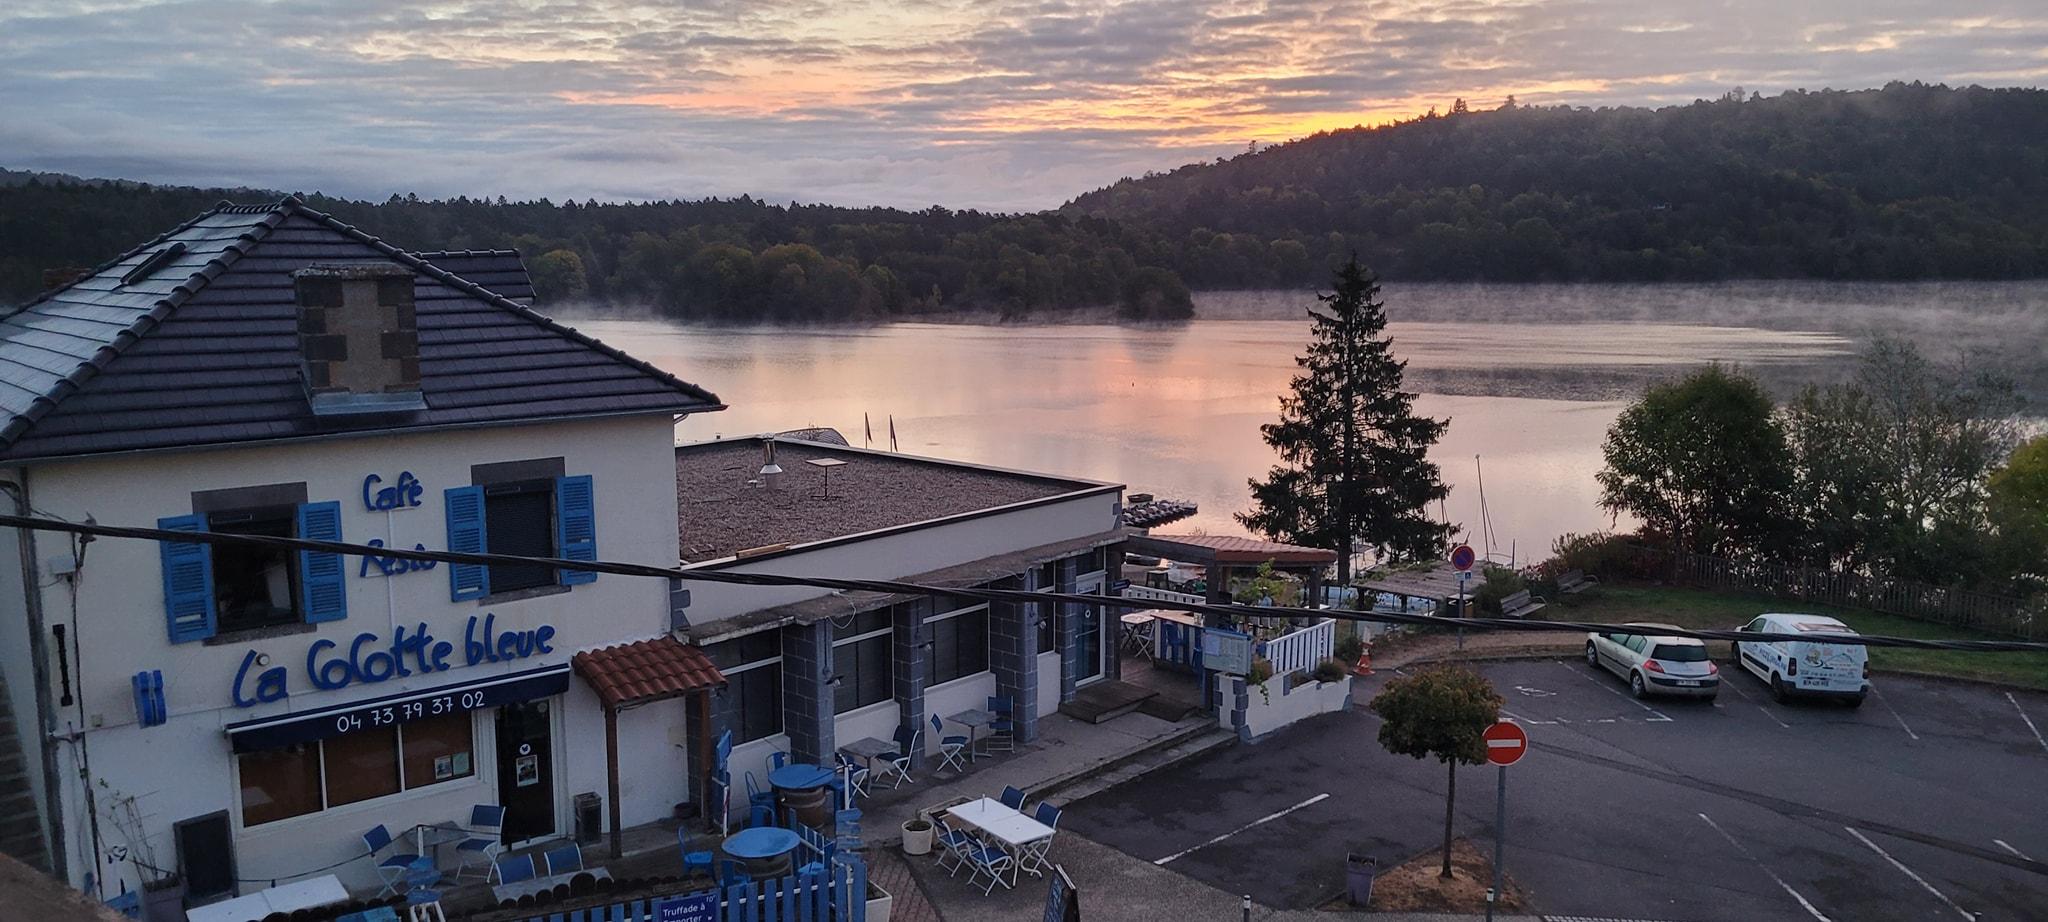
x=611 y=769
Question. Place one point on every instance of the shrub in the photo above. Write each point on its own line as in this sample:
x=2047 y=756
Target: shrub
x=1500 y=583
x=1348 y=648
x=1331 y=670
x=1601 y=553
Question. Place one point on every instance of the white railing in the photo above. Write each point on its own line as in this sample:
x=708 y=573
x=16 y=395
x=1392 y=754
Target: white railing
x=1302 y=649
x=1162 y=595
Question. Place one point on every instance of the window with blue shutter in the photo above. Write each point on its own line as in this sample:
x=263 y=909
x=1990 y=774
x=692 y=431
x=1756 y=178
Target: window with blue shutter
x=466 y=536
x=188 y=582
x=323 y=592
x=575 y=526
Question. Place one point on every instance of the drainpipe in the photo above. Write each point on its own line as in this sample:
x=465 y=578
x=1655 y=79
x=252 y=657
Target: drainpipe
x=53 y=812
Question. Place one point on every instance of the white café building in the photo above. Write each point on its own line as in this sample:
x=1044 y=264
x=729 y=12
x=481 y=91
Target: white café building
x=242 y=715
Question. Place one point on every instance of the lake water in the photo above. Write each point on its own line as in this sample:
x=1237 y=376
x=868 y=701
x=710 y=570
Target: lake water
x=1176 y=411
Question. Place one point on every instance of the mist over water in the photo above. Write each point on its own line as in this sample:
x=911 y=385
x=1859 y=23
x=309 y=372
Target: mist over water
x=1530 y=377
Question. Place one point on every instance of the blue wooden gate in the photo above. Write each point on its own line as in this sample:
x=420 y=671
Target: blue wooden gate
x=838 y=895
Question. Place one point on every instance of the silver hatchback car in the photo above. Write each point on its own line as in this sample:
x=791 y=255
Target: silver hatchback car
x=1654 y=665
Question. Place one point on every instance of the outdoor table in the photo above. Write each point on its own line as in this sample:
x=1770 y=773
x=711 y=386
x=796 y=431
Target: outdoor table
x=1138 y=632
x=532 y=886
x=1014 y=830
x=868 y=749
x=764 y=849
x=435 y=835
x=799 y=776
x=286 y=898
x=973 y=719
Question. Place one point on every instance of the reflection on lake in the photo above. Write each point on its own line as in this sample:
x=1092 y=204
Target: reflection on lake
x=1176 y=411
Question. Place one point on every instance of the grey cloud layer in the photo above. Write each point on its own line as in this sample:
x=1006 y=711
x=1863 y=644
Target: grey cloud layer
x=1011 y=106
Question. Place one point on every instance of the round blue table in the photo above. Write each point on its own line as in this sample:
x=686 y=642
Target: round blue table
x=799 y=776
x=760 y=842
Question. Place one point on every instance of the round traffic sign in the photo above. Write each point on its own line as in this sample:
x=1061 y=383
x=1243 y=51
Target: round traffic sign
x=1505 y=743
x=1463 y=557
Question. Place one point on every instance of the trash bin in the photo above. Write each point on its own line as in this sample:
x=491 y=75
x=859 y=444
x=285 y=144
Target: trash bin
x=589 y=814
x=1358 y=873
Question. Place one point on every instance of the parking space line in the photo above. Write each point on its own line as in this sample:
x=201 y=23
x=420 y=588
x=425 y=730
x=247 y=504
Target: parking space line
x=1895 y=715
x=1656 y=716
x=1319 y=798
x=1860 y=837
x=1517 y=718
x=2016 y=853
x=2029 y=720
x=1766 y=869
x=1773 y=717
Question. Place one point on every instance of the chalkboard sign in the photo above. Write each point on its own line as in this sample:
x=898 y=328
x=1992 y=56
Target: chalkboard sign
x=1226 y=651
x=206 y=855
x=695 y=907
x=1062 y=901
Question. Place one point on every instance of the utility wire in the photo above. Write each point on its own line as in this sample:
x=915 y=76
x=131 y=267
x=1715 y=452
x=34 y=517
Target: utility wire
x=1018 y=596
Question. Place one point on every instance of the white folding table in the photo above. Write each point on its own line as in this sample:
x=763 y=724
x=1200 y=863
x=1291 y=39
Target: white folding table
x=286 y=898
x=1023 y=837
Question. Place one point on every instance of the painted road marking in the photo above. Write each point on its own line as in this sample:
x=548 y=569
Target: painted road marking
x=1517 y=718
x=1656 y=716
x=1895 y=715
x=1909 y=873
x=1773 y=717
x=1529 y=692
x=1319 y=798
x=2029 y=720
x=2016 y=853
x=1782 y=885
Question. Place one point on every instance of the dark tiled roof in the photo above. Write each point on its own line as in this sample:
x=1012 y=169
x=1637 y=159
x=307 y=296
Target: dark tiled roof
x=204 y=349
x=1227 y=549
x=720 y=513
x=649 y=670
x=500 y=272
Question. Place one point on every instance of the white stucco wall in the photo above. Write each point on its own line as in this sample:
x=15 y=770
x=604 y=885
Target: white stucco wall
x=183 y=769
x=1048 y=683
x=1278 y=707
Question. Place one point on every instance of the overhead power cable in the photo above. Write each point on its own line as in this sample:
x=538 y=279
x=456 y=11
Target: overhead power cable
x=978 y=593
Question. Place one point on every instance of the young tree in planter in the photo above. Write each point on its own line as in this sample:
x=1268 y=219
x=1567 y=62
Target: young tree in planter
x=1355 y=470
x=1440 y=711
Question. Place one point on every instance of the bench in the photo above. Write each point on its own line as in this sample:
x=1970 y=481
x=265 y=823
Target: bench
x=1520 y=604
x=1575 y=581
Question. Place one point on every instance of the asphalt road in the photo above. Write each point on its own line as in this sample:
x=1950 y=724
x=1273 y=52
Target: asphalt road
x=1920 y=805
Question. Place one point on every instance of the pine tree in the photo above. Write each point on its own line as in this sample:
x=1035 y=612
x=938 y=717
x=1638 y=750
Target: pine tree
x=1355 y=471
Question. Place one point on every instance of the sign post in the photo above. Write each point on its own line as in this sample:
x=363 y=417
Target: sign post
x=1462 y=559
x=1506 y=743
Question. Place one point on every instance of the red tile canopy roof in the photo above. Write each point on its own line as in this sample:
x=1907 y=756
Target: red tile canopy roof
x=1227 y=549
x=646 y=671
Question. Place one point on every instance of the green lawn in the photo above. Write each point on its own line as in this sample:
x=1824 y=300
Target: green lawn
x=1695 y=608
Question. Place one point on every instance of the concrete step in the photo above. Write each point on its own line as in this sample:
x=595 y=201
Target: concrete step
x=1106 y=701
x=1162 y=752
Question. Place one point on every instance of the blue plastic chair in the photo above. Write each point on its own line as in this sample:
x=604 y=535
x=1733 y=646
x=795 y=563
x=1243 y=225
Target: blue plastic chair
x=127 y=903
x=1013 y=798
x=899 y=761
x=992 y=861
x=481 y=849
x=777 y=759
x=699 y=861
x=760 y=815
x=1003 y=730
x=565 y=859
x=952 y=749
x=1048 y=815
x=393 y=867
x=516 y=869
x=756 y=796
x=956 y=844
x=420 y=880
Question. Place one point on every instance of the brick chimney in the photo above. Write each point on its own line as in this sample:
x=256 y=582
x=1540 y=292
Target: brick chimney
x=359 y=338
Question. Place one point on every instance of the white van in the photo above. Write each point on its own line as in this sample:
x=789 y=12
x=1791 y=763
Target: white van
x=1806 y=667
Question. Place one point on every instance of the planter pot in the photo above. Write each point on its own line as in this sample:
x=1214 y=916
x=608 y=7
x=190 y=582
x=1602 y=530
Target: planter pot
x=880 y=903
x=917 y=838
x=164 y=900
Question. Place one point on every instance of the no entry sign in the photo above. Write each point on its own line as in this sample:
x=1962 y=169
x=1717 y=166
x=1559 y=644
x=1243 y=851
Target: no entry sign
x=1505 y=743
x=1463 y=557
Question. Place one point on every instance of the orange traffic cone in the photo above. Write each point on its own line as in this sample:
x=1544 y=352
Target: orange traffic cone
x=1364 y=667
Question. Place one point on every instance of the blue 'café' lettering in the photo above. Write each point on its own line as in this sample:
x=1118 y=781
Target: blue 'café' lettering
x=369 y=660
x=392 y=566
x=401 y=495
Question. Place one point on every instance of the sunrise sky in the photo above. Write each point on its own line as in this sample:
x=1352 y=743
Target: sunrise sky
x=1004 y=105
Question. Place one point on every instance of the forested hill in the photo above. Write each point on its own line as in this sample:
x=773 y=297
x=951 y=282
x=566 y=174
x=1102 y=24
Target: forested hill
x=1911 y=181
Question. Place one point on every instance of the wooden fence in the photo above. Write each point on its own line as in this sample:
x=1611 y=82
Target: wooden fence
x=1995 y=614
x=838 y=896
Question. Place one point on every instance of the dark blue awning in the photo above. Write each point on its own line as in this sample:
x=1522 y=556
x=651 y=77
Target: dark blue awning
x=390 y=711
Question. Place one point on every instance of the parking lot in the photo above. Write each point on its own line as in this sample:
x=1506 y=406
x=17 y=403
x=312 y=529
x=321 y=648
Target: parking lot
x=1927 y=803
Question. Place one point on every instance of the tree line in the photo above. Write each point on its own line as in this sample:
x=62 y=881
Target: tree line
x=1913 y=469
x=1911 y=181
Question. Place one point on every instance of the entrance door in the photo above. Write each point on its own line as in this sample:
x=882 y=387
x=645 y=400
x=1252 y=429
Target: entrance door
x=526 y=784
x=1088 y=664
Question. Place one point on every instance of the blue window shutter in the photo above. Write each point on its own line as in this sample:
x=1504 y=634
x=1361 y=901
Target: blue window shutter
x=466 y=536
x=188 y=581
x=323 y=591
x=576 y=525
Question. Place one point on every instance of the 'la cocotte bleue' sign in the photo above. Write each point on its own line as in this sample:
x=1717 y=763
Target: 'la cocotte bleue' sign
x=370 y=660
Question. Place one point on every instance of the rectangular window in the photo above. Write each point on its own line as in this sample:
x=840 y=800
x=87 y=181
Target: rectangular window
x=753 y=671
x=361 y=765
x=254 y=587
x=1089 y=562
x=1048 y=616
x=280 y=784
x=863 y=653
x=355 y=767
x=438 y=749
x=519 y=519
x=959 y=644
